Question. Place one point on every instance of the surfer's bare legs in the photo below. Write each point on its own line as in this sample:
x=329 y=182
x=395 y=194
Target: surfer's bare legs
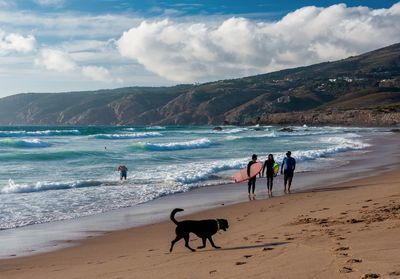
x=285 y=180
x=288 y=177
x=290 y=182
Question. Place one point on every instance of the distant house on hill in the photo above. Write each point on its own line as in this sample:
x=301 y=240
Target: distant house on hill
x=390 y=83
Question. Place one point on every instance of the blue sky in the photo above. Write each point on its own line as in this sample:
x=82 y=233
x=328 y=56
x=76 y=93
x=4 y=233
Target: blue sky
x=157 y=8
x=68 y=45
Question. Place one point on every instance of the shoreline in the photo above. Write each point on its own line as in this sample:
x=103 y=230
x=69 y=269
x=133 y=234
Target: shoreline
x=42 y=238
x=348 y=229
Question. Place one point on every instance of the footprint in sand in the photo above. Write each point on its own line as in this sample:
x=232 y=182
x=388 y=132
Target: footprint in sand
x=342 y=249
x=268 y=249
x=345 y=269
x=354 y=261
x=240 y=263
x=212 y=271
x=370 y=275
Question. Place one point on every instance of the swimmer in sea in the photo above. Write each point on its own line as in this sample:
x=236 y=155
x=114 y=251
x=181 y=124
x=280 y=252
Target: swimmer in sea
x=123 y=171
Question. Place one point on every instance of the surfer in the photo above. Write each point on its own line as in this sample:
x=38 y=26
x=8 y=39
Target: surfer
x=287 y=169
x=123 y=171
x=269 y=166
x=252 y=181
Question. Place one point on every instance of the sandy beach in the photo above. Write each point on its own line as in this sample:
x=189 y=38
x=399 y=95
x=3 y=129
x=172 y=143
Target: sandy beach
x=349 y=230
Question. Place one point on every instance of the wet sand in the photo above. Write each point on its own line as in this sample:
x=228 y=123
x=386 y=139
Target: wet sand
x=349 y=230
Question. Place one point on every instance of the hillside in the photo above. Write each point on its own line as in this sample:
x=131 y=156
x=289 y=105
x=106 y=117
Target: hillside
x=359 y=90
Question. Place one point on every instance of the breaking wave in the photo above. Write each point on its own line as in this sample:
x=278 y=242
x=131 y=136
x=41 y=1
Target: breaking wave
x=40 y=186
x=28 y=143
x=192 y=144
x=128 y=136
x=42 y=133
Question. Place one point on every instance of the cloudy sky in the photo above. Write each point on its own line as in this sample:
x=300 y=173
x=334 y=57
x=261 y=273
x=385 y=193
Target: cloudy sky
x=68 y=45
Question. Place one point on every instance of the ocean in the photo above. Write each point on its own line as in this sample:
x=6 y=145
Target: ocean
x=55 y=173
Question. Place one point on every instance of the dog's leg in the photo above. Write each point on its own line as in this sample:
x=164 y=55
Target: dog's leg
x=204 y=243
x=178 y=237
x=212 y=243
x=186 y=237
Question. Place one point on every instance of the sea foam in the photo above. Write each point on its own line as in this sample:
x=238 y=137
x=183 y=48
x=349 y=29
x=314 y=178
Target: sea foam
x=128 y=135
x=13 y=187
x=192 y=144
x=27 y=143
x=39 y=133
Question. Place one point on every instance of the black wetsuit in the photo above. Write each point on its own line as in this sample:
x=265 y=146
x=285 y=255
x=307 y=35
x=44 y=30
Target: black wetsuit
x=252 y=181
x=269 y=165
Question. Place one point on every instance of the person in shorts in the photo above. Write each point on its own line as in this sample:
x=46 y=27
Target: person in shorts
x=287 y=169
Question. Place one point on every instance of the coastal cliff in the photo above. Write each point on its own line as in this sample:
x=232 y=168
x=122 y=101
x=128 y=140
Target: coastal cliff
x=360 y=90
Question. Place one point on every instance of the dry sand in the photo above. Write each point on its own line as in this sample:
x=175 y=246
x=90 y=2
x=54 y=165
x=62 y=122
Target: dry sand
x=351 y=230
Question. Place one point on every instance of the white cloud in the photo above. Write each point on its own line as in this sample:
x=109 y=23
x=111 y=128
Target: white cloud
x=198 y=51
x=73 y=25
x=13 y=42
x=97 y=73
x=61 y=61
x=55 y=60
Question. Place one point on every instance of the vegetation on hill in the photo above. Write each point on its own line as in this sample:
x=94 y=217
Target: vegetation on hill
x=359 y=90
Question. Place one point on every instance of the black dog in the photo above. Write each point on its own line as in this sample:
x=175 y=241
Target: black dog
x=204 y=229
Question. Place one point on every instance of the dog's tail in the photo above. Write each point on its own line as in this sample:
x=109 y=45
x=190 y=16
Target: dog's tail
x=172 y=216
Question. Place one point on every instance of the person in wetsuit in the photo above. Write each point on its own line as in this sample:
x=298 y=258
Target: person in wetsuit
x=252 y=181
x=123 y=171
x=287 y=169
x=269 y=166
